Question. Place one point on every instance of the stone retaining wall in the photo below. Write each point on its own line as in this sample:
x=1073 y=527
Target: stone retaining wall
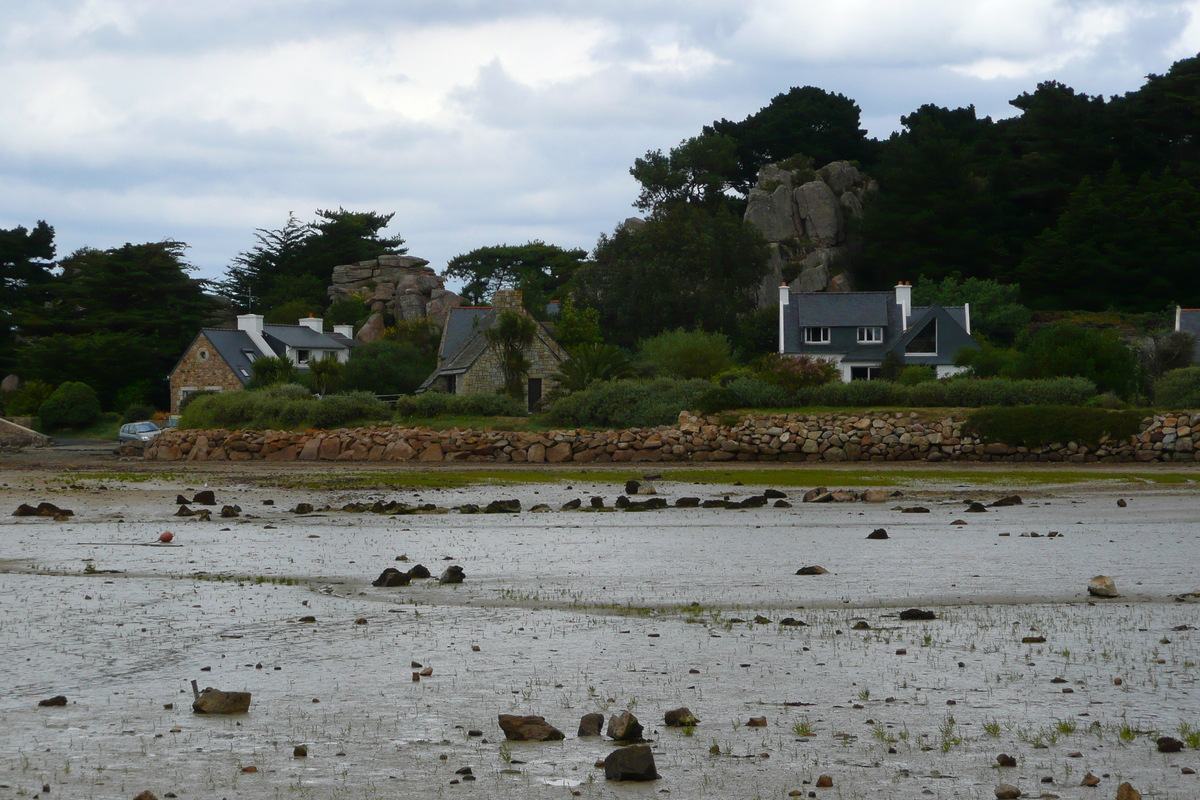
x=891 y=436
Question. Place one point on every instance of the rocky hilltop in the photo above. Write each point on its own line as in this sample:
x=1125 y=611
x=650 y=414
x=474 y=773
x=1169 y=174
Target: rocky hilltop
x=802 y=213
x=401 y=286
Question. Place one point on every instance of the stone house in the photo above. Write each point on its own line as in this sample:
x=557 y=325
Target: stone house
x=468 y=363
x=222 y=359
x=855 y=330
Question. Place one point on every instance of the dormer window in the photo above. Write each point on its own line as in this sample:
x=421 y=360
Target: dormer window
x=816 y=335
x=870 y=335
x=925 y=342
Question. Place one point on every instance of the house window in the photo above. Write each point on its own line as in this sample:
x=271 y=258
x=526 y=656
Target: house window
x=302 y=356
x=250 y=355
x=451 y=384
x=864 y=373
x=868 y=335
x=816 y=335
x=203 y=355
x=925 y=342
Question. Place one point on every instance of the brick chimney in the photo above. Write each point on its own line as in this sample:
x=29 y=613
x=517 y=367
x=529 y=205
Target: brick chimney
x=507 y=300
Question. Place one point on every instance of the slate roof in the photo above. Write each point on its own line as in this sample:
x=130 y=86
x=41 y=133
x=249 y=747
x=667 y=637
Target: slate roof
x=840 y=309
x=237 y=349
x=231 y=345
x=1189 y=322
x=461 y=322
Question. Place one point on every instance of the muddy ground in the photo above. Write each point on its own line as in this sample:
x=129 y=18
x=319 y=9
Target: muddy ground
x=565 y=613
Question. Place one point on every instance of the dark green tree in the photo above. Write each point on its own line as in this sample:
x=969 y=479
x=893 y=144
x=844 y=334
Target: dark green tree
x=25 y=264
x=590 y=363
x=1066 y=350
x=73 y=405
x=537 y=269
x=386 y=367
x=687 y=267
x=822 y=125
x=699 y=170
x=273 y=370
x=577 y=325
x=996 y=309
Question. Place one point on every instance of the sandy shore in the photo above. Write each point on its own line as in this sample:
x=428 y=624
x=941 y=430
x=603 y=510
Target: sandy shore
x=575 y=612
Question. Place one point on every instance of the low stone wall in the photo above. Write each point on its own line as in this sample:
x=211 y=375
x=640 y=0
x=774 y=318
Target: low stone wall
x=15 y=434
x=891 y=436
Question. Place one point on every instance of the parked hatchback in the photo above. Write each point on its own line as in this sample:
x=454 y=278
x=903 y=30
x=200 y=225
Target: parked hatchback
x=140 y=432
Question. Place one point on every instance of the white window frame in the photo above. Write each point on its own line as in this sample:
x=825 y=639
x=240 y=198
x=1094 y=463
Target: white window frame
x=822 y=334
x=870 y=335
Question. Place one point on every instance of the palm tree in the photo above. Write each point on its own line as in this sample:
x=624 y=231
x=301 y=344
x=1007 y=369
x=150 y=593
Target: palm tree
x=590 y=363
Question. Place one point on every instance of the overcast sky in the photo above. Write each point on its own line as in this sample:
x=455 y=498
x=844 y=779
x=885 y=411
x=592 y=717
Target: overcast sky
x=477 y=122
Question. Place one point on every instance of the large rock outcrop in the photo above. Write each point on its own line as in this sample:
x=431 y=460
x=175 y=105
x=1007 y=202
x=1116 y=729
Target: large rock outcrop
x=802 y=214
x=401 y=286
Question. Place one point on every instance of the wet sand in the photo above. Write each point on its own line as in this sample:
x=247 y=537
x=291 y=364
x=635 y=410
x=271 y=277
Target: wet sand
x=575 y=612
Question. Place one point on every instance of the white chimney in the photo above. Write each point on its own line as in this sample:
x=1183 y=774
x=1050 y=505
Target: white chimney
x=967 y=315
x=344 y=330
x=252 y=324
x=1178 y=316
x=784 y=299
x=904 y=300
x=313 y=323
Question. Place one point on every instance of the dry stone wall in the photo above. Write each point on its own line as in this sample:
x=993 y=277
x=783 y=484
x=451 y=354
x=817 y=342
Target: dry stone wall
x=891 y=436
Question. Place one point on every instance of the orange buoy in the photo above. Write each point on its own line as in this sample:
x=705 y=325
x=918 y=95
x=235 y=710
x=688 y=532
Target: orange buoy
x=166 y=537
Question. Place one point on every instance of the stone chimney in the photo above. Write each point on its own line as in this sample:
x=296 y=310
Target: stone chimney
x=507 y=300
x=904 y=300
x=313 y=323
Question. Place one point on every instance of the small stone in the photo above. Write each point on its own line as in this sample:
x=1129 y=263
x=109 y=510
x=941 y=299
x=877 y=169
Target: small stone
x=679 y=717
x=1102 y=586
x=824 y=782
x=878 y=533
x=812 y=570
x=1168 y=744
x=1089 y=780
x=1006 y=792
x=917 y=614
x=250 y=769
x=757 y=722
x=300 y=751
x=57 y=700
x=146 y=795
x=1121 y=503
x=1126 y=792
x=1005 y=760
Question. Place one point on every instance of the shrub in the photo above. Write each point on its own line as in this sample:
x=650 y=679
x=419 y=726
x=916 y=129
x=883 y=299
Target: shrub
x=959 y=392
x=686 y=354
x=1069 y=350
x=349 y=311
x=590 y=363
x=1178 y=388
x=438 y=404
x=193 y=397
x=325 y=375
x=792 y=373
x=73 y=405
x=26 y=401
x=140 y=393
x=629 y=403
x=916 y=373
x=137 y=412
x=282 y=406
x=1037 y=426
x=270 y=370
x=386 y=367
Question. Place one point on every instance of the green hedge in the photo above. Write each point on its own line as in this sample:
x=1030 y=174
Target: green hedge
x=628 y=404
x=440 y=404
x=952 y=393
x=1037 y=426
x=283 y=406
x=1178 y=389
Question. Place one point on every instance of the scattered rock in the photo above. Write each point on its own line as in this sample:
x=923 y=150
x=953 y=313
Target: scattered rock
x=1004 y=502
x=824 y=782
x=812 y=570
x=571 y=505
x=792 y=622
x=146 y=795
x=759 y=619
x=419 y=571
x=1122 y=504
x=503 y=507
x=180 y=500
x=757 y=722
x=977 y=508
x=1168 y=744
x=917 y=614
x=204 y=498
x=634 y=763
x=878 y=533
x=959 y=522
x=1126 y=792
x=303 y=508
x=915 y=510
x=228 y=512
x=214 y=701
x=1006 y=792
x=782 y=504
x=679 y=717
x=624 y=727
x=874 y=496
x=300 y=751
x=861 y=625
x=57 y=700
x=1089 y=780
x=688 y=502
x=632 y=486
x=1033 y=640
x=774 y=494
x=591 y=724
x=453 y=574
x=42 y=510
x=540 y=508
x=1005 y=760
x=528 y=729
x=1102 y=586
x=597 y=502
x=392 y=577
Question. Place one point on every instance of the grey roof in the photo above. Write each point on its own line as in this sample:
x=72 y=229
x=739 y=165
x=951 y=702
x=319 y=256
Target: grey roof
x=957 y=313
x=300 y=336
x=460 y=324
x=840 y=309
x=946 y=339
x=231 y=345
x=1189 y=320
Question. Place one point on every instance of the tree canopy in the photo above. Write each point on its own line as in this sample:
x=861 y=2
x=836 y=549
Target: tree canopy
x=25 y=264
x=537 y=269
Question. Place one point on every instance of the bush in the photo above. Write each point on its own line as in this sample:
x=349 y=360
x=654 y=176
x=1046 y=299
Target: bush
x=387 y=367
x=73 y=405
x=792 y=373
x=686 y=354
x=742 y=393
x=629 y=403
x=960 y=392
x=282 y=406
x=1037 y=426
x=270 y=370
x=193 y=397
x=1069 y=350
x=137 y=413
x=916 y=373
x=439 y=404
x=26 y=401
x=1178 y=389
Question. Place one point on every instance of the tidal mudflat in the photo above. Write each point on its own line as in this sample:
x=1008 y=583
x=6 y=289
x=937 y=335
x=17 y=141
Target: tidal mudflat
x=570 y=612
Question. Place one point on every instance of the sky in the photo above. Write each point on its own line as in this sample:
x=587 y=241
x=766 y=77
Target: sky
x=477 y=123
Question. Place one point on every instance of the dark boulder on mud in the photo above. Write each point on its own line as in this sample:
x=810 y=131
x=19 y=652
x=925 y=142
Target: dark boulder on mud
x=624 y=727
x=915 y=510
x=42 y=510
x=503 y=507
x=420 y=571
x=204 y=498
x=392 y=577
x=452 y=574
x=591 y=724
x=917 y=614
x=528 y=729
x=878 y=533
x=792 y=622
x=1005 y=760
x=1006 y=792
x=688 y=502
x=754 y=501
x=622 y=501
x=571 y=505
x=1168 y=744
x=679 y=717
x=812 y=570
x=57 y=700
x=214 y=701
x=774 y=494
x=597 y=502
x=303 y=508
x=469 y=508
x=977 y=508
x=184 y=511
x=632 y=486
x=229 y=512
x=180 y=500
x=634 y=763
x=812 y=494
x=1004 y=502
x=146 y=795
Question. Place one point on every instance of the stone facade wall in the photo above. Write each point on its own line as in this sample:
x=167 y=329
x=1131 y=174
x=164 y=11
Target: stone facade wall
x=487 y=374
x=202 y=368
x=891 y=436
